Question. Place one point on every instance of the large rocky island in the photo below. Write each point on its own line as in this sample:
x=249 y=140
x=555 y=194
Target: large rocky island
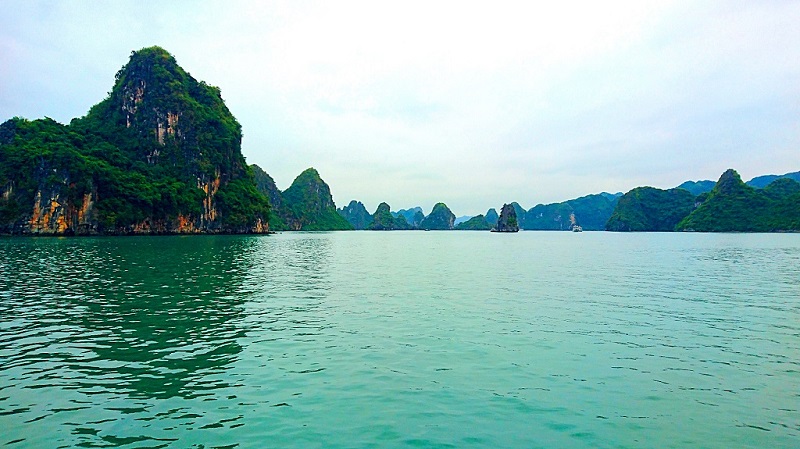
x=161 y=154
x=729 y=206
x=507 y=222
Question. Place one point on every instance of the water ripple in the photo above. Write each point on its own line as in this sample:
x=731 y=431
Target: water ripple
x=401 y=339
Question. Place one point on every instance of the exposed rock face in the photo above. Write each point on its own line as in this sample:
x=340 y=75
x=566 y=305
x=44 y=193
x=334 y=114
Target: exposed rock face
x=266 y=185
x=161 y=154
x=440 y=218
x=507 y=222
x=53 y=214
x=383 y=220
x=356 y=214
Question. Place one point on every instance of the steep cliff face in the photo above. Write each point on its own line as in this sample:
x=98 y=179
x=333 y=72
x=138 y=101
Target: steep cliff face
x=356 y=214
x=507 y=222
x=161 y=154
x=383 y=220
x=266 y=185
x=440 y=218
x=309 y=205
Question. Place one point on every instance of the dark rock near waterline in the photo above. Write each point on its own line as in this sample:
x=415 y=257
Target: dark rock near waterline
x=507 y=222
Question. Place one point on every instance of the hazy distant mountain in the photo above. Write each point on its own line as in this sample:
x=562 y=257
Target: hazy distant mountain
x=356 y=214
x=697 y=187
x=461 y=219
x=408 y=213
x=760 y=182
x=591 y=212
x=491 y=216
x=520 y=214
x=413 y=216
x=477 y=223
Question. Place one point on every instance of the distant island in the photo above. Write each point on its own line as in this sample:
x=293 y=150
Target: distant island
x=162 y=155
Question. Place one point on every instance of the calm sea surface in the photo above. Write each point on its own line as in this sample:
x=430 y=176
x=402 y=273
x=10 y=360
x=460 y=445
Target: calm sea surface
x=401 y=339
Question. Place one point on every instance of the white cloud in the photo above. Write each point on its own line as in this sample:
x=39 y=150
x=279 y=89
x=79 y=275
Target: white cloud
x=467 y=103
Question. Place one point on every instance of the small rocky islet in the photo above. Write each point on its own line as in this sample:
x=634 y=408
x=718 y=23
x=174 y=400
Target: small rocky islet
x=162 y=155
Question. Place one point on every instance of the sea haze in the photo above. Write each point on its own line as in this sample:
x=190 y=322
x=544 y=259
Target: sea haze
x=401 y=339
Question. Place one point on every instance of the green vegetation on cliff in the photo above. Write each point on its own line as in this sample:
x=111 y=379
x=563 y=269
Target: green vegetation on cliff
x=733 y=206
x=591 y=212
x=266 y=185
x=651 y=209
x=508 y=221
x=477 y=223
x=307 y=205
x=310 y=205
x=383 y=220
x=161 y=154
x=440 y=218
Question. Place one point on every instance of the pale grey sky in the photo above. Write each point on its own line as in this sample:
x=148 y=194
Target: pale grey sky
x=473 y=104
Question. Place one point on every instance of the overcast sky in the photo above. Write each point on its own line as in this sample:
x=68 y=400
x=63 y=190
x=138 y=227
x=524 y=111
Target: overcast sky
x=471 y=104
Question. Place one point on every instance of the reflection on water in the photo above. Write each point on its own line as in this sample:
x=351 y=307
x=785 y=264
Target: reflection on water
x=401 y=339
x=128 y=320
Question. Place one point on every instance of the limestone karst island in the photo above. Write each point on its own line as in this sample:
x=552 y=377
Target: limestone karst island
x=162 y=155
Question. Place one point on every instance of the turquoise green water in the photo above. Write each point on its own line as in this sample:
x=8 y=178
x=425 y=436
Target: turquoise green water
x=401 y=339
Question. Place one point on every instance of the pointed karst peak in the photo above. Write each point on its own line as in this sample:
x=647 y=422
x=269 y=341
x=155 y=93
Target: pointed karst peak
x=309 y=174
x=507 y=222
x=440 y=218
x=155 y=100
x=729 y=182
x=153 y=53
x=150 y=65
